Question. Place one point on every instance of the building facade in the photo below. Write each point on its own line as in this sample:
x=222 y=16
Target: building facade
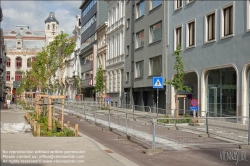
x=115 y=59
x=93 y=14
x=214 y=37
x=22 y=47
x=102 y=54
x=144 y=51
x=72 y=68
x=2 y=61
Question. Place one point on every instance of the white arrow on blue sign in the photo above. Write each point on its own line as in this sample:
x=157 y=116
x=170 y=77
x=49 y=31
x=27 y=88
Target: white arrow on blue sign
x=195 y=108
x=157 y=82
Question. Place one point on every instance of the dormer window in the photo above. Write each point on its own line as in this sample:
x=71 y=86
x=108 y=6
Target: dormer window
x=19 y=45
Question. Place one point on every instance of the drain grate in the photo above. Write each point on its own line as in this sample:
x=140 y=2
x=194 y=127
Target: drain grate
x=108 y=151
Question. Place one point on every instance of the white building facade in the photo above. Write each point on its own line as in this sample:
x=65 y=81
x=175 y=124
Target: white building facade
x=115 y=57
x=102 y=51
x=73 y=62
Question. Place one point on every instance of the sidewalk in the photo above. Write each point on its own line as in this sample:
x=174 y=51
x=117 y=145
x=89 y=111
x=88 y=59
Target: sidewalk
x=48 y=151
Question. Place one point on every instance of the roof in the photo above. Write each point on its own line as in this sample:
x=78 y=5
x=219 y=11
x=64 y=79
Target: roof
x=51 y=18
x=24 y=31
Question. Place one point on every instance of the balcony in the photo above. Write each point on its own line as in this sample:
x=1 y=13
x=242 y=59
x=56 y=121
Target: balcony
x=87 y=66
x=119 y=23
x=87 y=82
x=115 y=60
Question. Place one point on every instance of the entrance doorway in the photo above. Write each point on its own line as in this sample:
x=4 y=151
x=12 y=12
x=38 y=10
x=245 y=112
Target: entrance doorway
x=221 y=88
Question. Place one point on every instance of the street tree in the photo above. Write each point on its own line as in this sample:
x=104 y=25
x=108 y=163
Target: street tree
x=177 y=81
x=47 y=63
x=99 y=87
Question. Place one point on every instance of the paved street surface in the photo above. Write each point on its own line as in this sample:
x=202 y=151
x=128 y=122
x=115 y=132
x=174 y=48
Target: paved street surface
x=45 y=151
x=101 y=147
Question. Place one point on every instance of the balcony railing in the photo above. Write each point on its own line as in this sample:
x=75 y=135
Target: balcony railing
x=114 y=60
x=87 y=82
x=115 y=25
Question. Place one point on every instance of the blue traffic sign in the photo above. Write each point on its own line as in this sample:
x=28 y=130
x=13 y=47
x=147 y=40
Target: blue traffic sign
x=195 y=108
x=157 y=82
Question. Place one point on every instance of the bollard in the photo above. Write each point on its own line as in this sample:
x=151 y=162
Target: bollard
x=194 y=116
x=85 y=115
x=27 y=115
x=30 y=120
x=109 y=118
x=95 y=116
x=38 y=130
x=126 y=124
x=33 y=121
x=76 y=130
x=35 y=126
x=68 y=124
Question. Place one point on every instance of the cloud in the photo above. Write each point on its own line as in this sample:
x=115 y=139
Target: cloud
x=34 y=13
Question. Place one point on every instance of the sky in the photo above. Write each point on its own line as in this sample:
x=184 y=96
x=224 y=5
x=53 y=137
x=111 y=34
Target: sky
x=34 y=13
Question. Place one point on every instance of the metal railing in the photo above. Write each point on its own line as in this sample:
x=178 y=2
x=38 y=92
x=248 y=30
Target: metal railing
x=171 y=132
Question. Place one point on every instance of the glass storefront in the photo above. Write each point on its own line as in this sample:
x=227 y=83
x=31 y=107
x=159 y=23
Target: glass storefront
x=221 y=92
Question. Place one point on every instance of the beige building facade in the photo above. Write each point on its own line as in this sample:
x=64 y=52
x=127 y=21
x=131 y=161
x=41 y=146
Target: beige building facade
x=22 y=46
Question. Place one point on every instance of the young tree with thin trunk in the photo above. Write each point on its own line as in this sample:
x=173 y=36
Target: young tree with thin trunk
x=100 y=85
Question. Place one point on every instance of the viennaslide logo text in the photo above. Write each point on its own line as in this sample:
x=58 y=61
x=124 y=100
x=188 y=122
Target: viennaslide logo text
x=233 y=156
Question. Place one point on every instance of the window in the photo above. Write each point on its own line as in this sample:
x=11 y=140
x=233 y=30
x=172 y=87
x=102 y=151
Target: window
x=8 y=62
x=155 y=66
x=155 y=32
x=18 y=62
x=155 y=3
x=139 y=69
x=89 y=23
x=87 y=8
x=128 y=23
x=127 y=76
x=127 y=50
x=140 y=7
x=140 y=39
x=227 y=21
x=29 y=62
x=190 y=1
x=18 y=76
x=88 y=59
x=8 y=76
x=87 y=75
x=178 y=37
x=48 y=27
x=210 y=27
x=191 y=34
x=178 y=4
x=19 y=45
x=53 y=27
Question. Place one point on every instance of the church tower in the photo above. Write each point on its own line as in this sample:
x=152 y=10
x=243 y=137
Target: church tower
x=51 y=28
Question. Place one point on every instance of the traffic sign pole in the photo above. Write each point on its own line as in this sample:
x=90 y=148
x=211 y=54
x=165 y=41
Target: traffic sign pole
x=157 y=102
